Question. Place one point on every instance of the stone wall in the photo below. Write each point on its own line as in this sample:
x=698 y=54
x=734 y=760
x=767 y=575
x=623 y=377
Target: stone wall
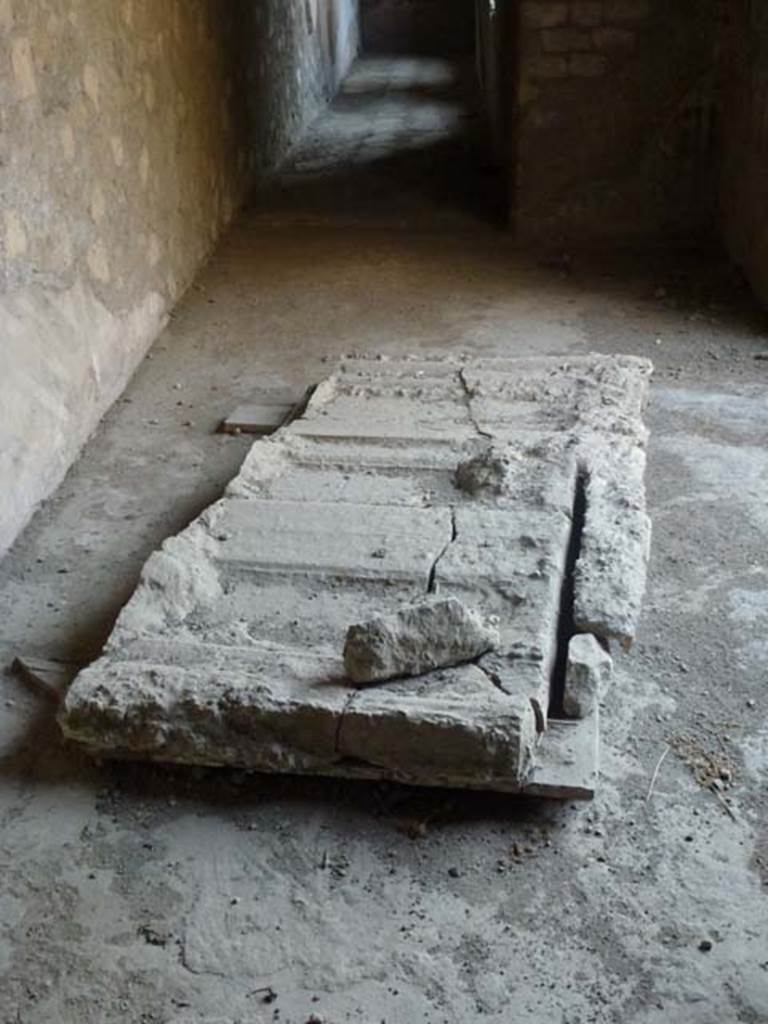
x=744 y=165
x=302 y=50
x=129 y=143
x=614 y=118
x=432 y=27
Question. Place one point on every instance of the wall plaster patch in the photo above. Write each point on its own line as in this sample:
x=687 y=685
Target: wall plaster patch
x=513 y=486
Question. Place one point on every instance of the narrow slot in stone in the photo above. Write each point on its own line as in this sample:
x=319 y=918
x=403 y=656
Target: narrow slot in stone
x=565 y=619
x=468 y=403
x=431 y=582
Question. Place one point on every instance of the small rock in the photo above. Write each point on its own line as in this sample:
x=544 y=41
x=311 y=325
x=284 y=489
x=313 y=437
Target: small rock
x=454 y=872
x=416 y=639
x=705 y=945
x=588 y=674
x=153 y=937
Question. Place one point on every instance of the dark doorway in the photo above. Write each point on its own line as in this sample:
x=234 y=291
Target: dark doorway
x=435 y=28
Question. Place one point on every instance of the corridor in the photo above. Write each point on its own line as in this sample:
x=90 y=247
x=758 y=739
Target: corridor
x=404 y=144
x=151 y=290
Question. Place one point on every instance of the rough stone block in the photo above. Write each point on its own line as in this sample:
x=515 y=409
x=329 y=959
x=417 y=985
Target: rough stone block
x=490 y=471
x=628 y=10
x=565 y=40
x=612 y=39
x=588 y=674
x=544 y=13
x=615 y=546
x=230 y=650
x=587 y=13
x=467 y=732
x=587 y=65
x=547 y=67
x=416 y=639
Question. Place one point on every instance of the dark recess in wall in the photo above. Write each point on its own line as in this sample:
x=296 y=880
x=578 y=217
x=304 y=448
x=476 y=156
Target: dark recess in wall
x=428 y=27
x=744 y=139
x=615 y=120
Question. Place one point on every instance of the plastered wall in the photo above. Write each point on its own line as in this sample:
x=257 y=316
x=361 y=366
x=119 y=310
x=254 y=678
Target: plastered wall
x=125 y=153
x=130 y=131
x=744 y=165
x=614 y=128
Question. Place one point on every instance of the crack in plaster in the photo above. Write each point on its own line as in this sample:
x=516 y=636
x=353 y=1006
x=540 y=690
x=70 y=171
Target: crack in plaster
x=431 y=579
x=467 y=391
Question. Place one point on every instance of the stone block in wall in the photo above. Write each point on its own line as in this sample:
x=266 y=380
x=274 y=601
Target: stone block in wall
x=613 y=39
x=544 y=13
x=587 y=13
x=627 y=10
x=587 y=65
x=565 y=40
x=547 y=67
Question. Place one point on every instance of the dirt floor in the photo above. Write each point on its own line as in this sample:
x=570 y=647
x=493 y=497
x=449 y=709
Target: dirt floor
x=154 y=896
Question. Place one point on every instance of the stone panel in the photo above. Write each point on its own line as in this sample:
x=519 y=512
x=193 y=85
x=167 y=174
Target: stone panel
x=231 y=649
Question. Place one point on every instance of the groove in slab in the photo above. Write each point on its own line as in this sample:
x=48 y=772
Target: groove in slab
x=432 y=579
x=565 y=620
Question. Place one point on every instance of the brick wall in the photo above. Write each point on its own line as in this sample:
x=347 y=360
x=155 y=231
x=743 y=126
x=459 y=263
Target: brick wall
x=614 y=129
x=744 y=166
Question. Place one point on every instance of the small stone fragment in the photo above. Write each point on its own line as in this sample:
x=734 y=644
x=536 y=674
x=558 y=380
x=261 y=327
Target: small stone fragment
x=489 y=471
x=588 y=674
x=416 y=639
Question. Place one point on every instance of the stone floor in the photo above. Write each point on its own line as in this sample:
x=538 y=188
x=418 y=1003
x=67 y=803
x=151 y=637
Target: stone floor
x=172 y=897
